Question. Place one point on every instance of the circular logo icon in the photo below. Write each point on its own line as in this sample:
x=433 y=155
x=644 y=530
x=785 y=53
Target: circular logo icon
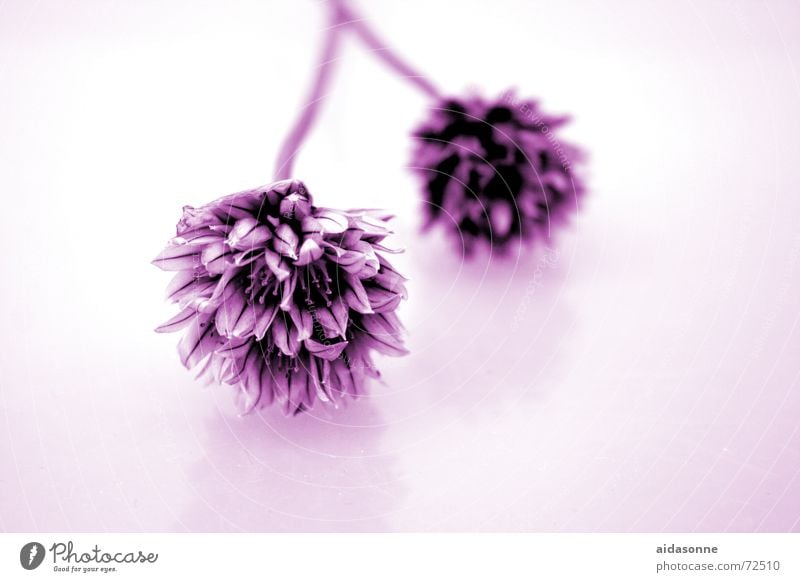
x=31 y=555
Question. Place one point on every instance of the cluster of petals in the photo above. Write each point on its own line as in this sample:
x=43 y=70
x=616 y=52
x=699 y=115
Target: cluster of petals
x=281 y=299
x=493 y=171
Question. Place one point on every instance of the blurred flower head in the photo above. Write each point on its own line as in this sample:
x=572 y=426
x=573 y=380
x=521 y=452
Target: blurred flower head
x=493 y=171
x=284 y=300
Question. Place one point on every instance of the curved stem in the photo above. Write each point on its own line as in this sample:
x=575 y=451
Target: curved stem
x=292 y=142
x=359 y=25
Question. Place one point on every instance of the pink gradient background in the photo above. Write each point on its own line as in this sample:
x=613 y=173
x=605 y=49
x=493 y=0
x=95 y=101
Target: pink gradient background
x=645 y=380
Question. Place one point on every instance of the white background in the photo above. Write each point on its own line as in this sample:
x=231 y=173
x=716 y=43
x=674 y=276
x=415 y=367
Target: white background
x=647 y=381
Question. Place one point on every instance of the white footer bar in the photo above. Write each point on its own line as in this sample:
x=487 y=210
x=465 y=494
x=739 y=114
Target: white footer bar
x=379 y=557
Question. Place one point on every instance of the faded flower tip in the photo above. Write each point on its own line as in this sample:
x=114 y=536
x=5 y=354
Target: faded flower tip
x=281 y=299
x=493 y=171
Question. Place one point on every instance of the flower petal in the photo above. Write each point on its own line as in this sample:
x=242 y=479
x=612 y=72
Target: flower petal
x=283 y=186
x=310 y=251
x=371 y=259
x=329 y=351
x=250 y=387
x=276 y=265
x=356 y=296
x=285 y=241
x=247 y=321
x=267 y=384
x=248 y=233
x=287 y=291
x=188 y=284
x=200 y=236
x=178 y=322
x=200 y=340
x=347 y=380
x=298 y=387
x=382 y=339
x=373 y=225
x=295 y=206
x=501 y=217
x=216 y=257
x=178 y=258
x=382 y=300
x=284 y=340
x=391 y=281
x=330 y=323
x=234 y=348
x=247 y=257
x=340 y=313
x=351 y=260
x=280 y=385
x=229 y=313
x=264 y=320
x=331 y=222
x=303 y=321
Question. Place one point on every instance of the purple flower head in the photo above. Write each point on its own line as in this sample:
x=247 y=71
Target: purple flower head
x=283 y=299
x=494 y=171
